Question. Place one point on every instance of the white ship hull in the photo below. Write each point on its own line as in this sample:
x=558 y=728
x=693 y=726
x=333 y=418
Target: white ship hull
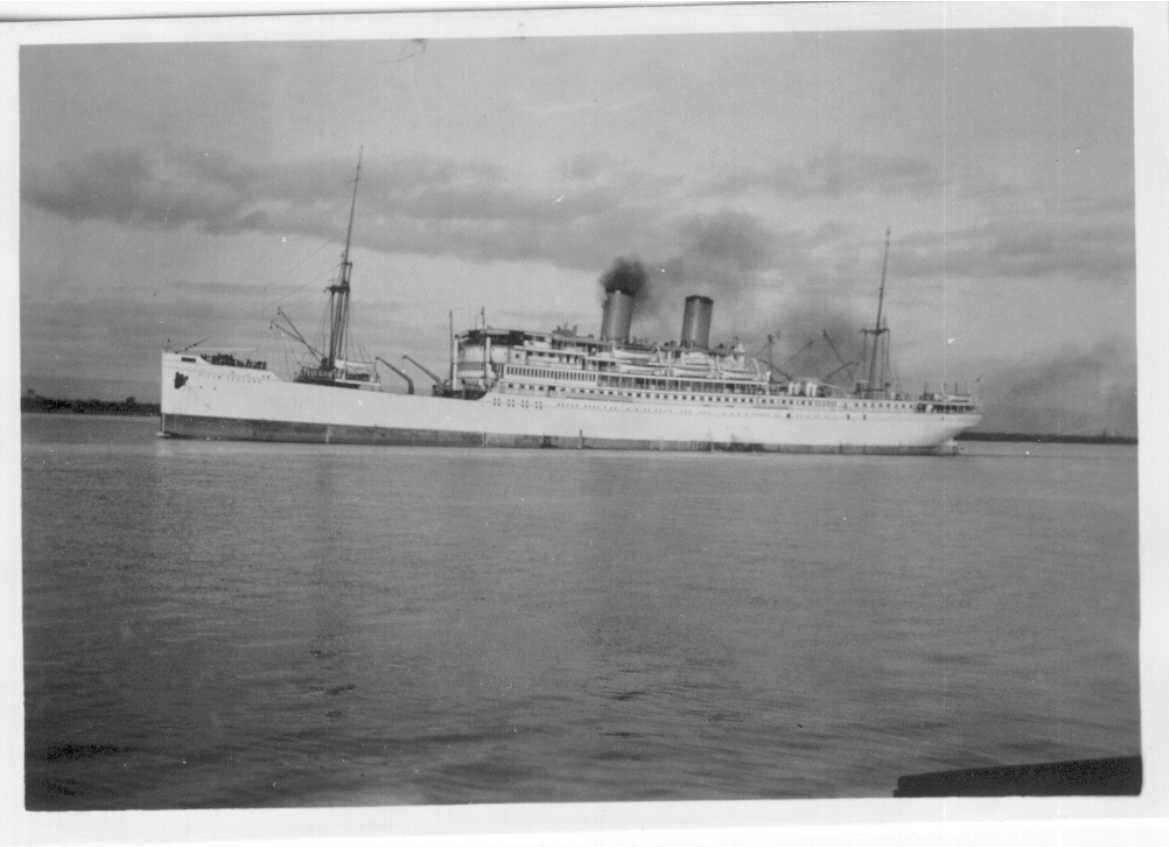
x=201 y=400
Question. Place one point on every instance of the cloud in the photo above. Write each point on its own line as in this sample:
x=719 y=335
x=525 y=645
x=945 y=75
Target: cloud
x=1036 y=232
x=132 y=187
x=420 y=203
x=764 y=275
x=1039 y=249
x=596 y=209
x=586 y=166
x=729 y=239
x=830 y=173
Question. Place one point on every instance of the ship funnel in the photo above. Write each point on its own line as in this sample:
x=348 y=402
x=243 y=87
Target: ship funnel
x=616 y=316
x=696 y=321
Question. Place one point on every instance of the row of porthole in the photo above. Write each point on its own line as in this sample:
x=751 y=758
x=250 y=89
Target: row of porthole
x=522 y=404
x=525 y=404
x=685 y=411
x=707 y=398
x=690 y=412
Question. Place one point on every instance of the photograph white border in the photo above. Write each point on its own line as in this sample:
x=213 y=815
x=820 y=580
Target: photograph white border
x=1038 y=820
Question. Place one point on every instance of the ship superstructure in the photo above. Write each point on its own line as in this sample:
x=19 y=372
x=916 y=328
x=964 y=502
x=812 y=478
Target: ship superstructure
x=511 y=387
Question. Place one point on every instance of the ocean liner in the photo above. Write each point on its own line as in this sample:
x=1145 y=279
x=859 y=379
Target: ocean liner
x=518 y=388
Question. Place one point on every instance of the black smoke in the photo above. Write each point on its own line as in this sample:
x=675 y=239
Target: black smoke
x=627 y=276
x=765 y=281
x=1077 y=392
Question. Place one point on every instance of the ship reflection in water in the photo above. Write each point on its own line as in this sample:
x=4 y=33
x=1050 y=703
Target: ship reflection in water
x=243 y=624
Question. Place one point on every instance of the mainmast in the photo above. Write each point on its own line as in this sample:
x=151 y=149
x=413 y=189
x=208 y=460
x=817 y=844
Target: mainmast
x=878 y=329
x=339 y=291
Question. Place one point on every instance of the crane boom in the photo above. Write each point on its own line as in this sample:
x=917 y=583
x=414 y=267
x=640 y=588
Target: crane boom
x=399 y=372
x=437 y=379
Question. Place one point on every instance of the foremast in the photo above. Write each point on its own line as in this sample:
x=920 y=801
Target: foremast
x=333 y=365
x=339 y=291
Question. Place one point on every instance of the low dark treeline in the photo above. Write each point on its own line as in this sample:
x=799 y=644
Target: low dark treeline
x=974 y=435
x=35 y=403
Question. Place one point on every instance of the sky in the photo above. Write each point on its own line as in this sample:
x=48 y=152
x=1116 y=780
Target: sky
x=174 y=192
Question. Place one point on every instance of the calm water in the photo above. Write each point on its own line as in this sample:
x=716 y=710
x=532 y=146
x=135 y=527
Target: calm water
x=213 y=625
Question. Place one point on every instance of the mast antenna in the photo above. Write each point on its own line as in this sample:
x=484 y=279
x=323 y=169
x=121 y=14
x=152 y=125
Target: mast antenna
x=878 y=330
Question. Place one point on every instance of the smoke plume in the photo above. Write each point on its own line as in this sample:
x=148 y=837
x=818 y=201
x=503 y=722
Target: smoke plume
x=816 y=338
x=764 y=282
x=1080 y=392
x=626 y=276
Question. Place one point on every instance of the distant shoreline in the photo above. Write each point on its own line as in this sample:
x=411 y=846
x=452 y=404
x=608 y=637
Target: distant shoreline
x=130 y=407
x=54 y=405
x=1040 y=438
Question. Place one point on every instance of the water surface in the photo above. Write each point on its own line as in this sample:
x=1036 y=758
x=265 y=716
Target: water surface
x=227 y=625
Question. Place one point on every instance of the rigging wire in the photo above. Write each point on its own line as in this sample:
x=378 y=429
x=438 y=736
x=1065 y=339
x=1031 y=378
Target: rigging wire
x=294 y=271
x=335 y=277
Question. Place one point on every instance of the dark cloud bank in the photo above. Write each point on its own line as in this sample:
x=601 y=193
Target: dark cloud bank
x=596 y=209
x=831 y=173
